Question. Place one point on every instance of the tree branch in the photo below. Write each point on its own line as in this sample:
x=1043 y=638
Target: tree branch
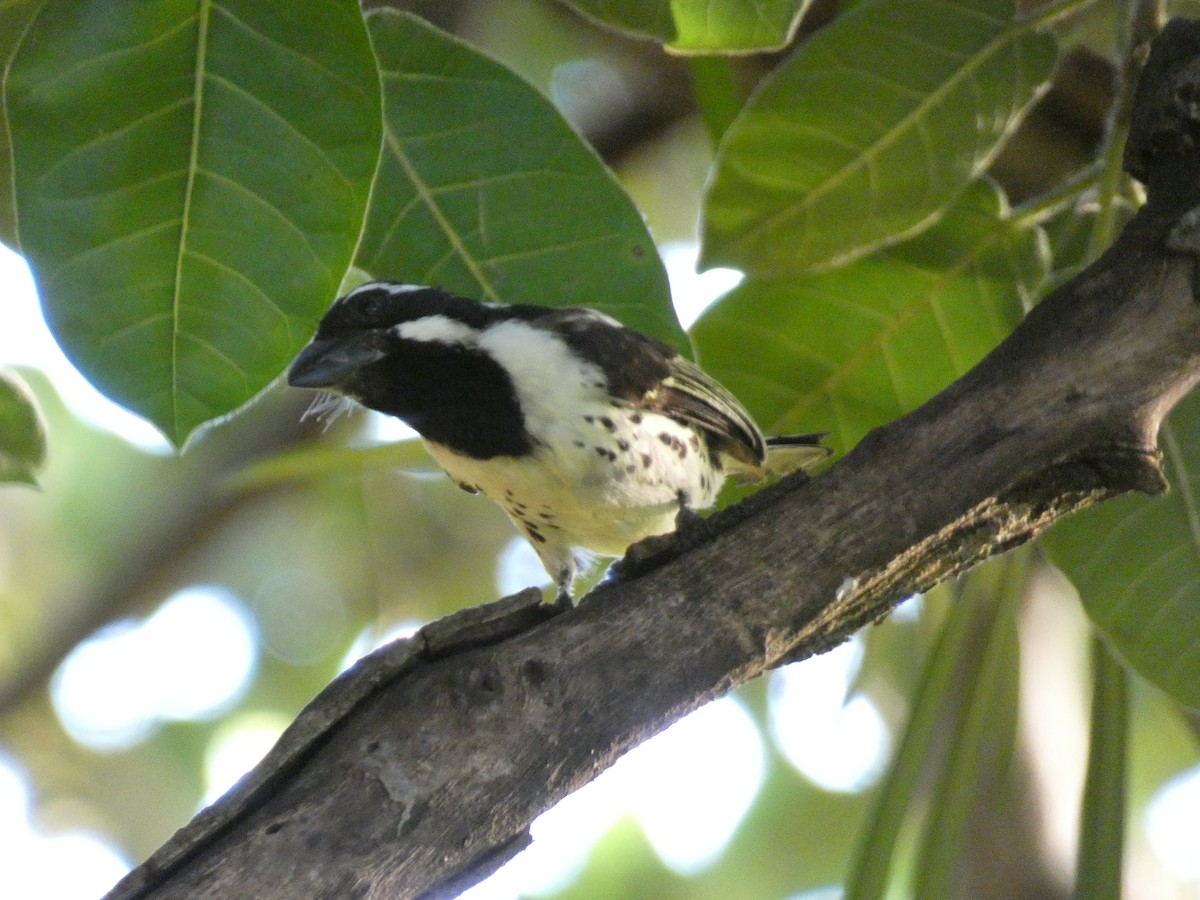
x=418 y=772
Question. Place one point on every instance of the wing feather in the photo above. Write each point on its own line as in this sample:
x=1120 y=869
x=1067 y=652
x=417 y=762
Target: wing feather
x=691 y=394
x=651 y=375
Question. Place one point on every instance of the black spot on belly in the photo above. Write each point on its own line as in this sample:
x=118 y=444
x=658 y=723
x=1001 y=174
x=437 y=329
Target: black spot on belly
x=605 y=453
x=674 y=443
x=622 y=445
x=608 y=423
x=646 y=460
x=636 y=418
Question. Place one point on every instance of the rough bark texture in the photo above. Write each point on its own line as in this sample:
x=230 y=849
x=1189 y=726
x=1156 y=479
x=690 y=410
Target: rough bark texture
x=419 y=771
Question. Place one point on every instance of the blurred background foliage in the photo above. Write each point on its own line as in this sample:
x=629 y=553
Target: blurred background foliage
x=164 y=615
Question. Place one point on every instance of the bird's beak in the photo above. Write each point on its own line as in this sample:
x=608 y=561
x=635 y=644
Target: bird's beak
x=327 y=363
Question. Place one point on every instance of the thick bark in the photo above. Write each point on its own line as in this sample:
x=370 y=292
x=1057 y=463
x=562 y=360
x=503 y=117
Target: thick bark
x=420 y=770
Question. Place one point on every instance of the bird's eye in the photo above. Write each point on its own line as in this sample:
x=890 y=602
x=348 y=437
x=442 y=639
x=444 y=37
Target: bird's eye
x=372 y=307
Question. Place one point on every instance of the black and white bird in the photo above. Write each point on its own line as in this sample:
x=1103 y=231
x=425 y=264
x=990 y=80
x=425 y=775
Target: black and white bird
x=590 y=435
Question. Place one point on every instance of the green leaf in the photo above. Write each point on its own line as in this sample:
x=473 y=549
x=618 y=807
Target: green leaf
x=1102 y=819
x=1136 y=564
x=653 y=19
x=191 y=178
x=22 y=434
x=485 y=190
x=702 y=26
x=714 y=84
x=869 y=131
x=982 y=736
x=15 y=16
x=851 y=349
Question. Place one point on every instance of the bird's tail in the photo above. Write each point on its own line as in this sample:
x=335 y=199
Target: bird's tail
x=787 y=453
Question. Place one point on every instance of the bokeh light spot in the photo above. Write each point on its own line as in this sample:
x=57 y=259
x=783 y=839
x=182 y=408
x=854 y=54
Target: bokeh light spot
x=302 y=615
x=838 y=745
x=689 y=787
x=191 y=659
x=70 y=865
x=518 y=567
x=695 y=782
x=1173 y=825
x=236 y=747
x=692 y=291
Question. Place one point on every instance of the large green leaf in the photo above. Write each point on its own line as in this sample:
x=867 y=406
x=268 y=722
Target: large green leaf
x=652 y=19
x=191 y=178
x=485 y=190
x=22 y=435
x=702 y=26
x=15 y=16
x=869 y=131
x=848 y=350
x=1136 y=564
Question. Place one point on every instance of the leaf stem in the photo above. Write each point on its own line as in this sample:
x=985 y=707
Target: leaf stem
x=1102 y=819
x=1052 y=12
x=1042 y=206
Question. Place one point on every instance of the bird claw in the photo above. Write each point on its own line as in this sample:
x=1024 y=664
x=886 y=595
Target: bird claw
x=687 y=518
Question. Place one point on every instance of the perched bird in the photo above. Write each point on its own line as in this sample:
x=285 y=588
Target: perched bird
x=590 y=435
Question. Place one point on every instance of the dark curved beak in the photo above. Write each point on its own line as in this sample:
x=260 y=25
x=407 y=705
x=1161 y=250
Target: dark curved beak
x=328 y=362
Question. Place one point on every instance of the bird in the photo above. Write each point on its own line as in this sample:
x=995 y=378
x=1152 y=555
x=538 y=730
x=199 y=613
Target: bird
x=589 y=434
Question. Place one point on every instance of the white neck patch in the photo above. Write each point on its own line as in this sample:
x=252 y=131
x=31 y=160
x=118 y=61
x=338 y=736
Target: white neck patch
x=549 y=379
x=436 y=330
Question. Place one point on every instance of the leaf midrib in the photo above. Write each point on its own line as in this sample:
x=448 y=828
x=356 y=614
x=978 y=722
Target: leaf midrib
x=203 y=14
x=430 y=203
x=889 y=137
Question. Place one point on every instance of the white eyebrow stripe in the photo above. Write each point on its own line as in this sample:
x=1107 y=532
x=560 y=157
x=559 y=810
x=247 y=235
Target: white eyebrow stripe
x=372 y=286
x=436 y=329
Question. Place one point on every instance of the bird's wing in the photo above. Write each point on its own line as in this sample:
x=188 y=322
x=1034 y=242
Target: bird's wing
x=691 y=394
x=651 y=375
